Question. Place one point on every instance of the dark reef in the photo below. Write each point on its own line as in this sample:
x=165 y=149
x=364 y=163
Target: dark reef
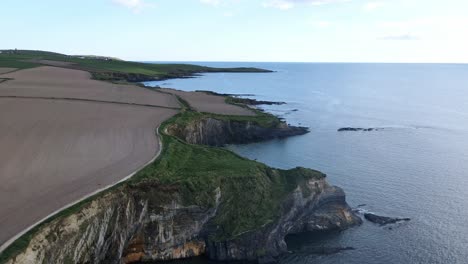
x=383 y=220
x=353 y=129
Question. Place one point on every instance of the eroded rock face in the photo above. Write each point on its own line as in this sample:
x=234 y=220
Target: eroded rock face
x=133 y=224
x=324 y=208
x=214 y=132
x=148 y=222
x=126 y=225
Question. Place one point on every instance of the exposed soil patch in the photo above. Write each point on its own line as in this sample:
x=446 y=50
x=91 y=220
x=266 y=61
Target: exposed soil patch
x=49 y=81
x=204 y=102
x=55 y=152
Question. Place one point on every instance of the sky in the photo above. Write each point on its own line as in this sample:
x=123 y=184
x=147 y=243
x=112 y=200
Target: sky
x=242 y=30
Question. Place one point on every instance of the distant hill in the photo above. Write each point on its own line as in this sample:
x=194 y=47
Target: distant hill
x=109 y=68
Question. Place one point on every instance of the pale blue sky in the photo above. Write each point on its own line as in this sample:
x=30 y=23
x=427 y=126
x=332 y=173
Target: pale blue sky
x=242 y=30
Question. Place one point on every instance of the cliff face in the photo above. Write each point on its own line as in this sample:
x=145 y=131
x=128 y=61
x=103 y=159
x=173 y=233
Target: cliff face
x=150 y=221
x=315 y=206
x=215 y=132
x=131 y=223
x=138 y=223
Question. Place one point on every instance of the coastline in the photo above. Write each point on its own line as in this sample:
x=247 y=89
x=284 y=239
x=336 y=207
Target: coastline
x=244 y=129
x=326 y=209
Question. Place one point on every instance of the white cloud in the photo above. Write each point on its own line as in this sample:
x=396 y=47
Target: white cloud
x=400 y=37
x=319 y=24
x=373 y=5
x=211 y=2
x=288 y=4
x=442 y=31
x=134 y=5
x=279 y=4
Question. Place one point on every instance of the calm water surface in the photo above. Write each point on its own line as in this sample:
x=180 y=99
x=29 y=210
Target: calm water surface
x=416 y=167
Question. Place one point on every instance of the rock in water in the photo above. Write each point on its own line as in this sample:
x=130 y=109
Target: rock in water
x=383 y=220
x=325 y=250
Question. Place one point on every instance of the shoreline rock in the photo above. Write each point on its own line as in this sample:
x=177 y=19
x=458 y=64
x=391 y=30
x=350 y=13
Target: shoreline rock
x=325 y=250
x=383 y=220
x=216 y=132
x=326 y=210
x=354 y=129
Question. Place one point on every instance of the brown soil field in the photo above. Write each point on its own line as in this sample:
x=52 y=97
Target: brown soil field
x=47 y=81
x=204 y=102
x=55 y=152
x=5 y=70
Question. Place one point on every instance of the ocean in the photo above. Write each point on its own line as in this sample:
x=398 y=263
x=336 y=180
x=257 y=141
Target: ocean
x=415 y=166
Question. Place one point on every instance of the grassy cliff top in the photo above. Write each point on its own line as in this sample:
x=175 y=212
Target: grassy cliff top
x=251 y=192
x=107 y=68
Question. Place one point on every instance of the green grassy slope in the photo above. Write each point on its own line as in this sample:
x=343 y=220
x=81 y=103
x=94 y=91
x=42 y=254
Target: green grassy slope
x=112 y=69
x=251 y=191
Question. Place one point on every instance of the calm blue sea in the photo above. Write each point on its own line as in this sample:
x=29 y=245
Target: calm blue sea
x=416 y=167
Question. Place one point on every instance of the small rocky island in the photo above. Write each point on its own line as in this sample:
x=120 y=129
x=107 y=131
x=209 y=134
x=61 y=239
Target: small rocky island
x=354 y=129
x=384 y=220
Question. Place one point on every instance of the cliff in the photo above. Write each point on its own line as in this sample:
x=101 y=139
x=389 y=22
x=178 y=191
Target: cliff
x=194 y=200
x=323 y=208
x=208 y=130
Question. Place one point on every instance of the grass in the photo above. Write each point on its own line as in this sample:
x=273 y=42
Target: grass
x=251 y=191
x=261 y=118
x=112 y=69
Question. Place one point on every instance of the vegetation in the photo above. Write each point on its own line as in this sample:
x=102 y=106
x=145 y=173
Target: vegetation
x=112 y=69
x=251 y=191
x=262 y=119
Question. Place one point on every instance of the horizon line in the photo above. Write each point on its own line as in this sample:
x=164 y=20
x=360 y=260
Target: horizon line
x=304 y=62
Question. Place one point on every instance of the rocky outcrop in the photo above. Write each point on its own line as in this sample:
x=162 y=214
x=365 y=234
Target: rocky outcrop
x=147 y=222
x=131 y=223
x=324 y=250
x=354 y=129
x=217 y=132
x=383 y=220
x=323 y=209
